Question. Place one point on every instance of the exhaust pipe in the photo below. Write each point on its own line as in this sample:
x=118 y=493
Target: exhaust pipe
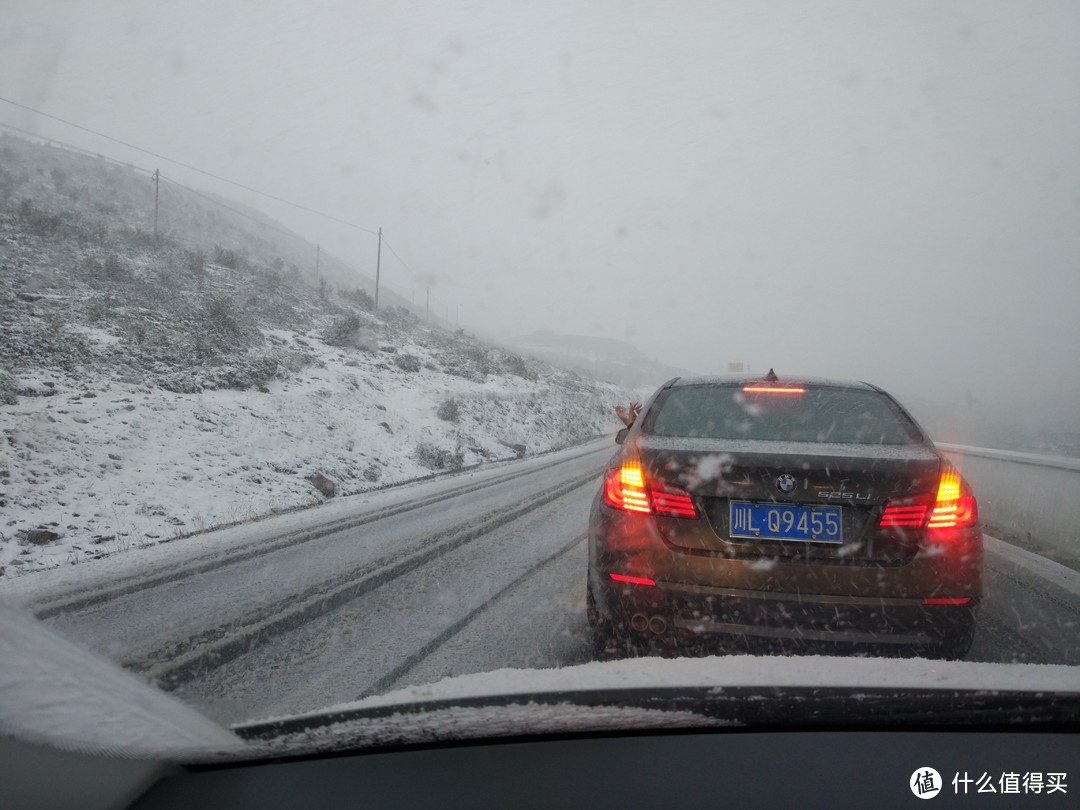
x=657 y=625
x=639 y=622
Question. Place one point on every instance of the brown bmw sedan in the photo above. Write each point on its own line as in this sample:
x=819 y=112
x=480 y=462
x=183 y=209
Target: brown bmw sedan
x=791 y=510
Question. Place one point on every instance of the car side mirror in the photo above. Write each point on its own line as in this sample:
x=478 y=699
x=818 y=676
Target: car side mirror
x=620 y=437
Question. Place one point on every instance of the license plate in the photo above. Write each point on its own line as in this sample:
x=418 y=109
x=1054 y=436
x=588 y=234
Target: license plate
x=782 y=521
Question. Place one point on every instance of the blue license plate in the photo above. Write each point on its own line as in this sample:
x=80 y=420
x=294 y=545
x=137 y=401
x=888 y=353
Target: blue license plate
x=785 y=521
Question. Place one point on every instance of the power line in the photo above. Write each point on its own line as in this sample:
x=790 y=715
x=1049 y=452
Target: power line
x=188 y=166
x=208 y=198
x=408 y=269
x=262 y=222
x=74 y=148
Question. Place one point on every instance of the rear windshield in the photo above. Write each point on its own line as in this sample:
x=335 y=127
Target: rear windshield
x=835 y=415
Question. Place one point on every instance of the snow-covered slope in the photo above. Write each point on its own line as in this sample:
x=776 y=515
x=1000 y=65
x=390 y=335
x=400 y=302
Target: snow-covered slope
x=150 y=389
x=121 y=465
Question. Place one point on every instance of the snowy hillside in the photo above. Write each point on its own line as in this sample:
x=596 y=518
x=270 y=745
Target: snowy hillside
x=153 y=388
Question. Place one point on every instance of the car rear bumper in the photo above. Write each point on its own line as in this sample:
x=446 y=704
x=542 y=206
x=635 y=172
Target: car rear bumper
x=696 y=596
x=674 y=610
x=700 y=610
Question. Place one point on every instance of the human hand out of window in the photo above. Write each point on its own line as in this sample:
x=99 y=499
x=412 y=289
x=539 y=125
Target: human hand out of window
x=628 y=415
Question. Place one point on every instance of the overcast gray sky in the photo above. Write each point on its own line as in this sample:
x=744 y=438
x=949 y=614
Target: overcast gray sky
x=884 y=190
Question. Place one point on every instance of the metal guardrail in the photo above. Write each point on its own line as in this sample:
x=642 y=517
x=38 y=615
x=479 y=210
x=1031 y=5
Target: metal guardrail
x=1060 y=462
x=1028 y=499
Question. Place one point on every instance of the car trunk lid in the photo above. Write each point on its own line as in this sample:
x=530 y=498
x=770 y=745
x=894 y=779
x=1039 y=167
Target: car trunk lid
x=785 y=483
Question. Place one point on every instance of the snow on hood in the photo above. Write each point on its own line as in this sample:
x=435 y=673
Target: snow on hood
x=722 y=672
x=486 y=722
x=512 y=702
x=54 y=693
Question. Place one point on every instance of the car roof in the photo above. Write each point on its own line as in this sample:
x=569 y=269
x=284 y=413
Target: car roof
x=746 y=379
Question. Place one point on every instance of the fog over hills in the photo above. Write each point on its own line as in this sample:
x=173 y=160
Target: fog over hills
x=607 y=359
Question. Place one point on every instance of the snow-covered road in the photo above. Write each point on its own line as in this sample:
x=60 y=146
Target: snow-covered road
x=461 y=574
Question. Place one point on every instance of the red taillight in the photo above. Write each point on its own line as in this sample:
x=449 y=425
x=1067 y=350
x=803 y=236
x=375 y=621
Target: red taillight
x=955 y=506
x=625 y=488
x=952 y=507
x=906 y=514
x=632 y=580
x=673 y=502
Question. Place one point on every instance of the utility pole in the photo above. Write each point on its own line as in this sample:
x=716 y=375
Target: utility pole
x=157 y=178
x=378 y=262
x=318 y=250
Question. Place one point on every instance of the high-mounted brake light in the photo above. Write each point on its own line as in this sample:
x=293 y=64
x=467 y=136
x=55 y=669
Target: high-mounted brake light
x=795 y=390
x=625 y=488
x=952 y=507
x=632 y=580
x=946 y=600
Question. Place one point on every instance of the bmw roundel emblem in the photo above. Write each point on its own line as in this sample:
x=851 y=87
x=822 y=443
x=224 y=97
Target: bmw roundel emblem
x=785 y=483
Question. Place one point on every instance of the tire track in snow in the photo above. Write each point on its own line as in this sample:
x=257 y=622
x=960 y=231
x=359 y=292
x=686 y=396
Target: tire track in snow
x=385 y=683
x=180 y=660
x=79 y=600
